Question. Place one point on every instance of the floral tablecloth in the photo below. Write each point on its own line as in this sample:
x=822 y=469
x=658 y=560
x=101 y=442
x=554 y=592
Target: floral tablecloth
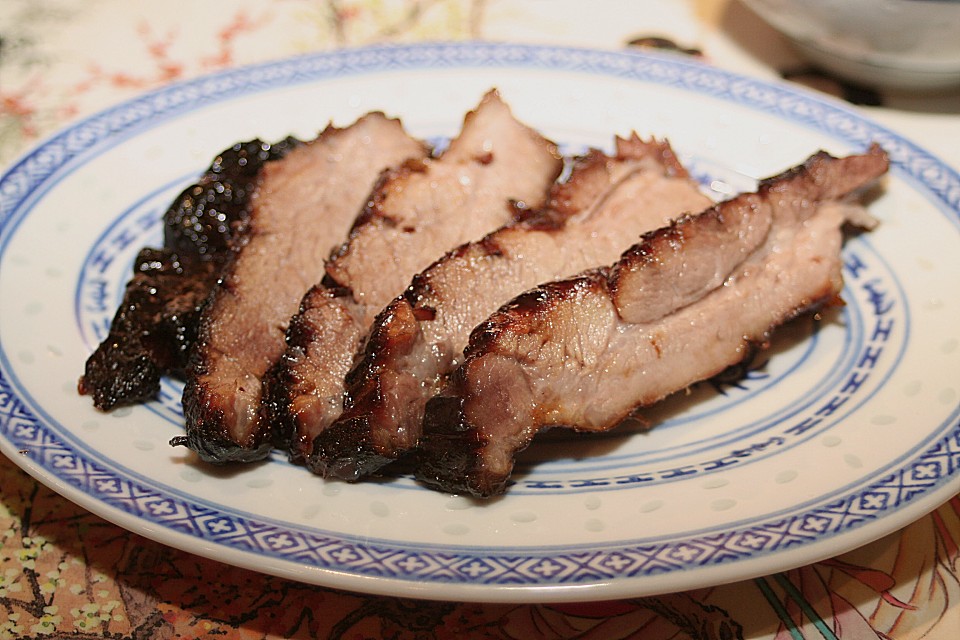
x=67 y=573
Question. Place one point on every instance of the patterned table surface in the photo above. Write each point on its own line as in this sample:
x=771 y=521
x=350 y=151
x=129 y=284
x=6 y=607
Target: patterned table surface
x=67 y=573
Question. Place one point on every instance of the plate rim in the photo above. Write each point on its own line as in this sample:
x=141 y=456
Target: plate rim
x=260 y=77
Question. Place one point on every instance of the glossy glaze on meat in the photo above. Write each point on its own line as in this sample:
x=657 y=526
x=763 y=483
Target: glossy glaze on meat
x=418 y=339
x=155 y=325
x=301 y=209
x=688 y=301
x=492 y=172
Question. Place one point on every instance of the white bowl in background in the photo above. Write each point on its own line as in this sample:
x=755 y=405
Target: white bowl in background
x=891 y=44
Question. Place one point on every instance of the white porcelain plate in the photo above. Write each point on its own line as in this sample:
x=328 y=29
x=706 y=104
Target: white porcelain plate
x=847 y=429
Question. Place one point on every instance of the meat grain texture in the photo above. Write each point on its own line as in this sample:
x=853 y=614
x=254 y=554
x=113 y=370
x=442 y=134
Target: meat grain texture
x=302 y=208
x=418 y=339
x=688 y=301
x=495 y=170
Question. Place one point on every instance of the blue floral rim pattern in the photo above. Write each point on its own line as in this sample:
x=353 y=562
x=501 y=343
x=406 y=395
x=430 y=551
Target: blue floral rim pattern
x=920 y=473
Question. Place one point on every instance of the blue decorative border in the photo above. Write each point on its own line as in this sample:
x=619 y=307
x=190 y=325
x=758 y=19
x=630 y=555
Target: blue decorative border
x=539 y=566
x=917 y=475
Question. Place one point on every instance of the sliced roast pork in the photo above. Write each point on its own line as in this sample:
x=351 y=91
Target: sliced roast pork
x=496 y=169
x=156 y=323
x=688 y=301
x=300 y=210
x=603 y=207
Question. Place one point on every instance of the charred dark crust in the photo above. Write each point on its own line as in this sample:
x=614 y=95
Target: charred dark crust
x=300 y=331
x=126 y=367
x=156 y=325
x=274 y=422
x=275 y=406
x=791 y=174
x=208 y=433
x=447 y=455
x=280 y=381
x=490 y=246
x=346 y=448
x=344 y=451
x=207 y=218
x=654 y=242
x=209 y=437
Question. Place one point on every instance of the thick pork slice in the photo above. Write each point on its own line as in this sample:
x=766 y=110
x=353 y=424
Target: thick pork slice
x=603 y=207
x=301 y=209
x=494 y=170
x=156 y=323
x=686 y=302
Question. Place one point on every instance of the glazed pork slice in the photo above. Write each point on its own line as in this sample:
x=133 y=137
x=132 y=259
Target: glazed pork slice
x=688 y=301
x=300 y=210
x=494 y=171
x=155 y=325
x=600 y=210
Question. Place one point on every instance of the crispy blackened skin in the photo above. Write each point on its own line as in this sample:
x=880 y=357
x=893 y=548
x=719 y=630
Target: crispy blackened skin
x=151 y=330
x=156 y=323
x=587 y=351
x=303 y=206
x=208 y=218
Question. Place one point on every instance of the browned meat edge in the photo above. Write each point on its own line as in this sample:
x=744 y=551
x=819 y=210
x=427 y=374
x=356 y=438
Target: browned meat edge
x=302 y=208
x=492 y=172
x=605 y=205
x=155 y=325
x=585 y=352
